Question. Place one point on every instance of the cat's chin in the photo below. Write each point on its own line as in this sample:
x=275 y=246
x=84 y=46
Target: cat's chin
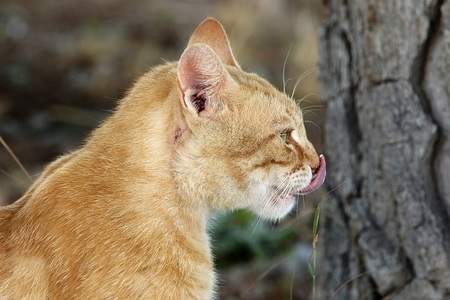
x=277 y=207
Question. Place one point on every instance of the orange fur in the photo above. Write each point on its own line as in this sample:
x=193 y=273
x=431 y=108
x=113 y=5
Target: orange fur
x=125 y=216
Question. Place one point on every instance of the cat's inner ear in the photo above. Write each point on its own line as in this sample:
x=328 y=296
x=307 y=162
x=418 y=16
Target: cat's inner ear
x=212 y=33
x=201 y=79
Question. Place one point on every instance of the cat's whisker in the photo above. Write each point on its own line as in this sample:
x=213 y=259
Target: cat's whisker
x=304 y=204
x=338 y=186
x=282 y=186
x=303 y=201
x=284 y=88
x=255 y=224
x=279 y=207
x=297 y=211
x=303 y=76
x=310 y=113
x=285 y=188
x=313 y=107
x=313 y=123
x=284 y=69
x=326 y=193
x=269 y=202
x=302 y=197
x=290 y=187
x=304 y=99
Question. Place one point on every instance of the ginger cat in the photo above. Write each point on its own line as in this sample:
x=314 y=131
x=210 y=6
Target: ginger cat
x=125 y=216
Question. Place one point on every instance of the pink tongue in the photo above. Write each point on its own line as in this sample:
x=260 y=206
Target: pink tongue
x=318 y=179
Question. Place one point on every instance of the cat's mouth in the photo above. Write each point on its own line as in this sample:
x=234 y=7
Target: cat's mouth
x=319 y=175
x=318 y=178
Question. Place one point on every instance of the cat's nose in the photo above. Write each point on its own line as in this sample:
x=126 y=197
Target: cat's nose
x=312 y=158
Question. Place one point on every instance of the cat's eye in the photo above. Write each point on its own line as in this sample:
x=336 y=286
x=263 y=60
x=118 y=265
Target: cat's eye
x=285 y=135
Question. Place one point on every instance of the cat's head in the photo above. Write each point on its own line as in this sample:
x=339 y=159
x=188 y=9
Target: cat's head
x=246 y=145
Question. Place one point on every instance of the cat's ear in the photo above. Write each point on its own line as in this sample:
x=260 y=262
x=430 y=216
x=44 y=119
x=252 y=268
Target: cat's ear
x=201 y=77
x=211 y=32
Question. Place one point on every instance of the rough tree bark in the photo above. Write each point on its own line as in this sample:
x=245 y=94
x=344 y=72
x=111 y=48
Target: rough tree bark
x=385 y=75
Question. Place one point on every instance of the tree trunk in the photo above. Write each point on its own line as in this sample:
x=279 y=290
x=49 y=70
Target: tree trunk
x=385 y=76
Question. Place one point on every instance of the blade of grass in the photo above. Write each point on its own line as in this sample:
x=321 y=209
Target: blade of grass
x=316 y=220
x=14 y=157
x=347 y=283
x=291 y=292
x=313 y=266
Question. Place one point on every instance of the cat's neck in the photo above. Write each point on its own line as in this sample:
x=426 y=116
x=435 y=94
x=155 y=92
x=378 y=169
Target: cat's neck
x=144 y=153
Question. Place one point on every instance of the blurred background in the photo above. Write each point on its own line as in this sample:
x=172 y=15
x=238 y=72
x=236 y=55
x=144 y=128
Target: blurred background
x=64 y=64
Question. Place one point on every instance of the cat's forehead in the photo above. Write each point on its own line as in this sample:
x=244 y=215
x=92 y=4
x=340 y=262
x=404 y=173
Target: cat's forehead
x=264 y=98
x=252 y=81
